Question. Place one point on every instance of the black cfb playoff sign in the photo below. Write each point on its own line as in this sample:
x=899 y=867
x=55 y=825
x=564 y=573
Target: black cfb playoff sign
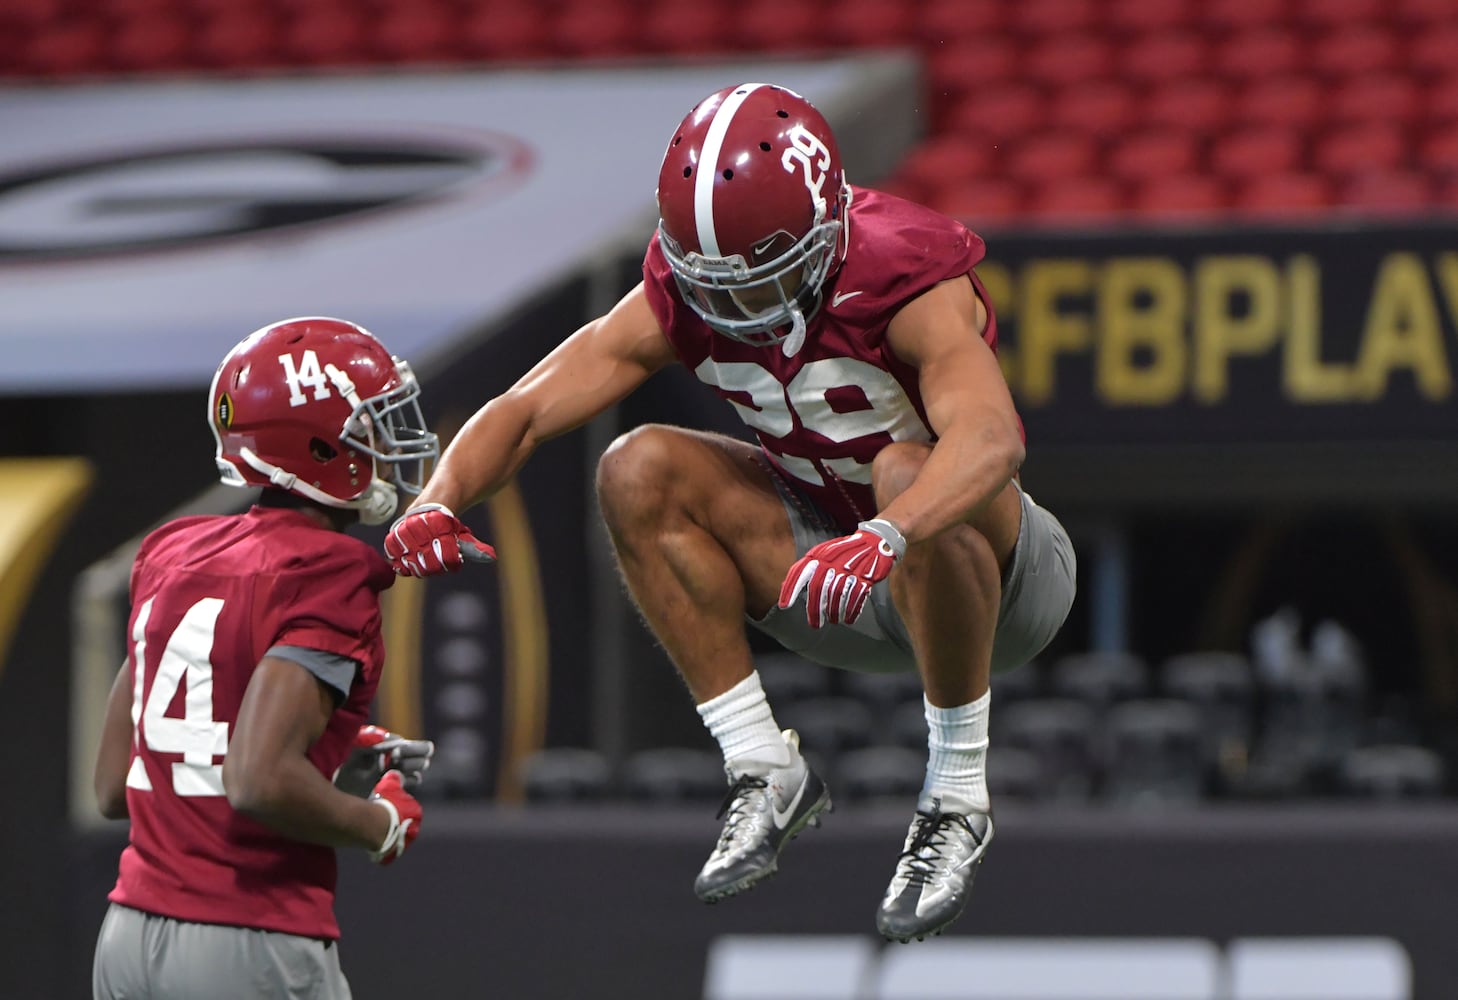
x=1230 y=337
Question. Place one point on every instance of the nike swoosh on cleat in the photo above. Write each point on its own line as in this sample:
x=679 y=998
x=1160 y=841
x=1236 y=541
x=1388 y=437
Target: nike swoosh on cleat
x=782 y=818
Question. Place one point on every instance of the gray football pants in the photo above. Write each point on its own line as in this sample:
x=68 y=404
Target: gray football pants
x=141 y=956
x=1037 y=593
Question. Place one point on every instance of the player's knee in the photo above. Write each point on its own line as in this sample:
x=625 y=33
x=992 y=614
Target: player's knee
x=895 y=468
x=959 y=545
x=637 y=469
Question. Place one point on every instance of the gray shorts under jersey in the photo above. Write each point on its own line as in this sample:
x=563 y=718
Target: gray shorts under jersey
x=141 y=956
x=1037 y=593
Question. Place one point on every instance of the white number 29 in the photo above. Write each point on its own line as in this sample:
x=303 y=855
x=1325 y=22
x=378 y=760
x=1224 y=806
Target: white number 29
x=197 y=735
x=773 y=408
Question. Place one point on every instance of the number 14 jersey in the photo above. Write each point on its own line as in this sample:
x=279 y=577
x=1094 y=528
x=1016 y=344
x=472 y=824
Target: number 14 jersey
x=823 y=414
x=210 y=596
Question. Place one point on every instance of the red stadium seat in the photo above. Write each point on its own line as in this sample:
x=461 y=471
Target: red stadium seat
x=904 y=186
x=998 y=112
x=18 y=15
x=1434 y=52
x=1395 y=192
x=1255 y=151
x=1446 y=192
x=1201 y=105
x=1421 y=15
x=1168 y=55
x=1140 y=17
x=1075 y=200
x=1339 y=13
x=12 y=42
x=674 y=28
x=990 y=202
x=778 y=26
x=944 y=21
x=947 y=160
x=1048 y=156
x=1438 y=150
x=240 y=39
x=1291 y=102
x=1356 y=50
x=415 y=34
x=1441 y=100
x=1284 y=195
x=1153 y=153
x=1102 y=109
x=1243 y=15
x=66 y=48
x=329 y=34
x=1180 y=196
x=120 y=12
x=1261 y=51
x=149 y=44
x=1354 y=148
x=1066 y=59
x=868 y=23
x=1055 y=17
x=594 y=30
x=1376 y=97
x=962 y=68
x=504 y=31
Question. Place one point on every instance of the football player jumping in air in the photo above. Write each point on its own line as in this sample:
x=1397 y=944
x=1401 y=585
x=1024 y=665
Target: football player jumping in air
x=235 y=736
x=878 y=525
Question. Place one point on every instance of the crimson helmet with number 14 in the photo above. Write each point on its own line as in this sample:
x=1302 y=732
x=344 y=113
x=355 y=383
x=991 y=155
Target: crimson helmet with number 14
x=752 y=203
x=318 y=407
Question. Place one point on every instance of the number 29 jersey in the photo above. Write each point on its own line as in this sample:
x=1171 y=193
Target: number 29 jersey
x=823 y=414
x=210 y=596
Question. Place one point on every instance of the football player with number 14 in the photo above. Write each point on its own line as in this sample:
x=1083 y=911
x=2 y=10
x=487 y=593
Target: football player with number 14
x=236 y=736
x=878 y=525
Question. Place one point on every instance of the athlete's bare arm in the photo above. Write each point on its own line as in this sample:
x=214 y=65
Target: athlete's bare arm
x=114 y=755
x=597 y=366
x=978 y=448
x=267 y=776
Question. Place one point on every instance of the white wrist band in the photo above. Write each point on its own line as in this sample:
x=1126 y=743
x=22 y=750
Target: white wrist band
x=888 y=533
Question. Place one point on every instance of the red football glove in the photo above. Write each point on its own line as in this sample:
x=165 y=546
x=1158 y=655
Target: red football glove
x=377 y=750
x=430 y=540
x=837 y=575
x=404 y=811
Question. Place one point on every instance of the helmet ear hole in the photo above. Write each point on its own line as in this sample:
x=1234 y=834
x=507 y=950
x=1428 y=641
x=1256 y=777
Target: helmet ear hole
x=321 y=450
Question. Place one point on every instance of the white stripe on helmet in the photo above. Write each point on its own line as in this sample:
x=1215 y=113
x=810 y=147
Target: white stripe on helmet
x=709 y=167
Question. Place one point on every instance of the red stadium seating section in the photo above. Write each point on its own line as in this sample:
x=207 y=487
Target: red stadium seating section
x=1037 y=111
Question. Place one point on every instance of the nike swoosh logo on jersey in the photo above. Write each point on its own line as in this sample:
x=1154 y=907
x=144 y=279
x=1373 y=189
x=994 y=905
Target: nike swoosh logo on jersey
x=782 y=818
x=840 y=297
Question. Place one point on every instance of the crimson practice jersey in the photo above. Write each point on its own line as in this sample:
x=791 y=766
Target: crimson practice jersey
x=822 y=415
x=210 y=597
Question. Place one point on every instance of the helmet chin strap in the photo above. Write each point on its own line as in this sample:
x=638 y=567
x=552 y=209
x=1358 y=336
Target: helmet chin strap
x=795 y=339
x=375 y=504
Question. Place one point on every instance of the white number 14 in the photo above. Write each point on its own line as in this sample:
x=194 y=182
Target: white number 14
x=197 y=735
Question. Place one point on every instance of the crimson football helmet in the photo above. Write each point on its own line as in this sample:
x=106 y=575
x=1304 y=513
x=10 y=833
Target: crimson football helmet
x=317 y=406
x=752 y=203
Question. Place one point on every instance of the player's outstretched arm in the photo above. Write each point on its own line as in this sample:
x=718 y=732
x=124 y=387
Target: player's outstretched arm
x=114 y=754
x=269 y=778
x=591 y=370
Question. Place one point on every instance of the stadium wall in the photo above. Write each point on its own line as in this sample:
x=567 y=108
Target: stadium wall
x=1275 y=902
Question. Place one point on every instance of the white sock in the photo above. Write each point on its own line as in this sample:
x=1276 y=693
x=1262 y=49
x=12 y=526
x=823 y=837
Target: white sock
x=741 y=720
x=956 y=767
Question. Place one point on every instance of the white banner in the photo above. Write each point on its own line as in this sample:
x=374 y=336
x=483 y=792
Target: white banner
x=146 y=227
